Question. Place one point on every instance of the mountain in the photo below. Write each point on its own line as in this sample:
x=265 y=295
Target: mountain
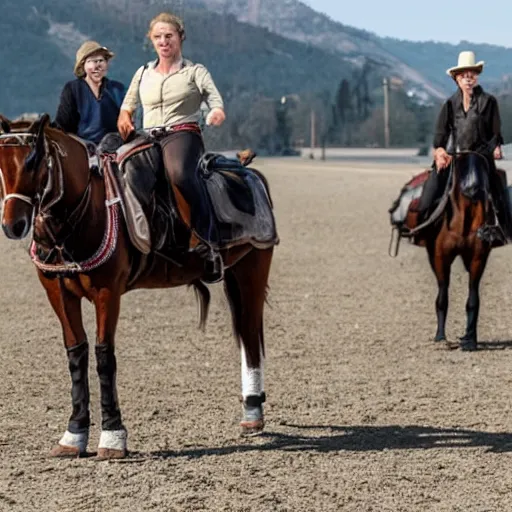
x=38 y=41
x=257 y=51
x=421 y=65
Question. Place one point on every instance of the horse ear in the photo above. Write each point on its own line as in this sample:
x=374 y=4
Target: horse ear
x=5 y=124
x=39 y=125
x=35 y=157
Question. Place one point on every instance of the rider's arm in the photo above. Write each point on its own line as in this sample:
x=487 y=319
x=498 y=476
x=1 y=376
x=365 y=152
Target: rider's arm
x=131 y=99
x=496 y=121
x=67 y=117
x=130 y=103
x=442 y=131
x=211 y=95
x=207 y=88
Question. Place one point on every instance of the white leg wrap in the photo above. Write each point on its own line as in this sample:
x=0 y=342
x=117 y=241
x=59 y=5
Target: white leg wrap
x=252 y=378
x=76 y=440
x=113 y=439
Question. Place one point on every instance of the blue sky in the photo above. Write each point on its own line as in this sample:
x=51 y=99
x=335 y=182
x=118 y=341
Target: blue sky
x=438 y=20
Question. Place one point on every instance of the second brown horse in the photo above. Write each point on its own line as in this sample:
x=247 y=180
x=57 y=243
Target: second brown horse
x=464 y=229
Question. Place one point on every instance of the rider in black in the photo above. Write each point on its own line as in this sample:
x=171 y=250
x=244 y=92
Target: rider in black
x=469 y=121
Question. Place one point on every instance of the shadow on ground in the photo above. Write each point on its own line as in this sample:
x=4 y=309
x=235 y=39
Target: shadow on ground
x=352 y=438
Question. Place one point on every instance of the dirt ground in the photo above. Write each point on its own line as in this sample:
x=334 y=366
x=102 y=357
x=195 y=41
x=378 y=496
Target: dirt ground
x=364 y=413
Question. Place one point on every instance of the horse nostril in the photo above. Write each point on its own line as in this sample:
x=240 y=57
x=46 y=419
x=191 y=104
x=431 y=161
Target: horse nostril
x=18 y=229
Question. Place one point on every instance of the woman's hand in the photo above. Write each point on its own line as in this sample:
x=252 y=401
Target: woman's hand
x=215 y=117
x=442 y=159
x=125 y=124
x=498 y=154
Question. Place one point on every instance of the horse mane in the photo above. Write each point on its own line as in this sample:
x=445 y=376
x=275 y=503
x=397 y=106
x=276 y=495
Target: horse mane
x=472 y=174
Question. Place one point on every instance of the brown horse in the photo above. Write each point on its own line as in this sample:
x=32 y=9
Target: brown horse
x=47 y=184
x=462 y=230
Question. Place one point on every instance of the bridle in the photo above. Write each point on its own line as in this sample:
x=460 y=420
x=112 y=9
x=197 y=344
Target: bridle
x=53 y=191
x=42 y=203
x=23 y=139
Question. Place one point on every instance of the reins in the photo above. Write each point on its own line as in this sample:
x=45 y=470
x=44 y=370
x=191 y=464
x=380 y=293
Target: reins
x=51 y=196
x=109 y=241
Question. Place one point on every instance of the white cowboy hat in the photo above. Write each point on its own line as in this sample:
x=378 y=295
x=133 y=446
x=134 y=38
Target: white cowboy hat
x=466 y=61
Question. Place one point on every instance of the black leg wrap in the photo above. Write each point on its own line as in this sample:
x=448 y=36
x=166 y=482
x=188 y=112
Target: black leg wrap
x=106 y=367
x=255 y=400
x=78 y=363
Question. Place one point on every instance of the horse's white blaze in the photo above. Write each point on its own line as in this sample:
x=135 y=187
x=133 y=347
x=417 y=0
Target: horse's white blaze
x=252 y=378
x=113 y=439
x=76 y=440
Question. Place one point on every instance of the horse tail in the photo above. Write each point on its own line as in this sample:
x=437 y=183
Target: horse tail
x=203 y=298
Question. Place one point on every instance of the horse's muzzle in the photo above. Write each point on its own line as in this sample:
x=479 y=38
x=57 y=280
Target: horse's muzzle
x=17 y=230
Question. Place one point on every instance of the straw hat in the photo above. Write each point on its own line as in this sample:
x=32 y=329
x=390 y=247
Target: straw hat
x=467 y=61
x=87 y=49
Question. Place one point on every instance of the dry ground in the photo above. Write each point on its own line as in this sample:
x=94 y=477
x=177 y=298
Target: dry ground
x=364 y=412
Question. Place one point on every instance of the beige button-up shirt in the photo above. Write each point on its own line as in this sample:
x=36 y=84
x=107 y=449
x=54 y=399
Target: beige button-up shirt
x=174 y=98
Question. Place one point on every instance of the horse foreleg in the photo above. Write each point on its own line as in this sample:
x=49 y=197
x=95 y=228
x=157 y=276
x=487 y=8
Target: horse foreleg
x=113 y=436
x=441 y=265
x=475 y=267
x=245 y=285
x=67 y=306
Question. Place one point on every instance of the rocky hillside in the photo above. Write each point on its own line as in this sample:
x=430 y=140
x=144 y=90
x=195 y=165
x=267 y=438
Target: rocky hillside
x=253 y=48
x=421 y=65
x=244 y=59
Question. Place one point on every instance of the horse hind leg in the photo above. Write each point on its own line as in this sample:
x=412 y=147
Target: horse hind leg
x=245 y=285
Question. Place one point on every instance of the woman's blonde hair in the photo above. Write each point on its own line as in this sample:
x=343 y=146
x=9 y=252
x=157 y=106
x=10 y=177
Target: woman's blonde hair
x=171 y=19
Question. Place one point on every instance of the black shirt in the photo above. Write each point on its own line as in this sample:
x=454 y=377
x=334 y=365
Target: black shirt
x=478 y=129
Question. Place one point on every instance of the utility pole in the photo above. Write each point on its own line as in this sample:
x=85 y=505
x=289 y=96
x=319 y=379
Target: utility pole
x=312 y=134
x=385 y=84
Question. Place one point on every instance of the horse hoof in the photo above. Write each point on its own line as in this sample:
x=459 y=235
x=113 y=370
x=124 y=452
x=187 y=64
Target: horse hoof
x=468 y=344
x=110 y=453
x=251 y=428
x=65 y=452
x=112 y=444
x=440 y=337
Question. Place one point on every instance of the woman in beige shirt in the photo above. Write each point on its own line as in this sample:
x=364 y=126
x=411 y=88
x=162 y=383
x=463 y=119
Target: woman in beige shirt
x=171 y=90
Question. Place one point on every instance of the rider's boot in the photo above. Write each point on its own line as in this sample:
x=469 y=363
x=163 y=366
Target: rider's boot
x=213 y=264
x=213 y=268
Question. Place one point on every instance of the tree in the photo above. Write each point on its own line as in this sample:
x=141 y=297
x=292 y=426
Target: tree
x=343 y=109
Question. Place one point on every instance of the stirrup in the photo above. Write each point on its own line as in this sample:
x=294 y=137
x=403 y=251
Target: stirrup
x=490 y=234
x=394 y=242
x=213 y=268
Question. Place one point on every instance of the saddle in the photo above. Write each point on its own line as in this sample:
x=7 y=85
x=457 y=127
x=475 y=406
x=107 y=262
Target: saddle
x=404 y=212
x=239 y=198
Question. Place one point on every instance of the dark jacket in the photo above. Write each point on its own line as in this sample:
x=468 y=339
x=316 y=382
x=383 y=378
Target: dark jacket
x=86 y=116
x=487 y=128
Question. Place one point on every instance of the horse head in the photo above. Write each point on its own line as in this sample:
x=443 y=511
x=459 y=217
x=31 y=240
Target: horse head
x=18 y=184
x=472 y=175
